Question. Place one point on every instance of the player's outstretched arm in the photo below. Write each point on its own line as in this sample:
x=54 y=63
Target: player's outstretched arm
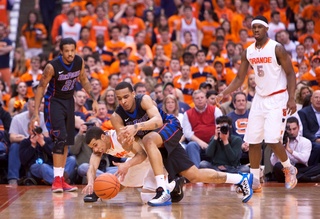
x=47 y=75
x=91 y=174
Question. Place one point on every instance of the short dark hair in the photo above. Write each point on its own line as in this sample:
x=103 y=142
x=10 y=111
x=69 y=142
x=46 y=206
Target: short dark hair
x=211 y=92
x=236 y=94
x=224 y=119
x=67 y=41
x=139 y=84
x=93 y=133
x=262 y=18
x=293 y=119
x=123 y=85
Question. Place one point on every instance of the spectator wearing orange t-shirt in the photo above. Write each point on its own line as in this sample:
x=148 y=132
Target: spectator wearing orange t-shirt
x=99 y=24
x=223 y=12
x=191 y=24
x=201 y=69
x=32 y=76
x=32 y=35
x=135 y=24
x=85 y=40
x=310 y=28
x=311 y=76
x=244 y=38
x=209 y=26
x=259 y=6
x=140 y=57
x=115 y=45
x=238 y=19
x=300 y=56
x=165 y=43
x=312 y=11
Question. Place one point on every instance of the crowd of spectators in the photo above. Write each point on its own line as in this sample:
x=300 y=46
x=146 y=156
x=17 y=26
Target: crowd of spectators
x=180 y=52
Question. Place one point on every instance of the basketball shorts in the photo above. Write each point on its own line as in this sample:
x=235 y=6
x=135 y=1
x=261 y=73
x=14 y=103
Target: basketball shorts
x=59 y=118
x=267 y=119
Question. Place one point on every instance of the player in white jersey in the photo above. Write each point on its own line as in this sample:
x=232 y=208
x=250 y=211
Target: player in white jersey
x=274 y=99
x=135 y=172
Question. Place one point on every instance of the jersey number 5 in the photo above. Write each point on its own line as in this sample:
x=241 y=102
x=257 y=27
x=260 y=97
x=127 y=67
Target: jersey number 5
x=260 y=70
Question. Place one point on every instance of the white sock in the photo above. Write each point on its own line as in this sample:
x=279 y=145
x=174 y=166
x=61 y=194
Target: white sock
x=256 y=173
x=58 y=171
x=233 y=178
x=286 y=163
x=161 y=182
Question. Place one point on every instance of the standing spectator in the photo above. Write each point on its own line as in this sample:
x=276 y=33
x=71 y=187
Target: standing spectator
x=58 y=20
x=275 y=25
x=32 y=35
x=310 y=120
x=310 y=32
x=191 y=24
x=5 y=49
x=70 y=28
x=134 y=23
x=85 y=40
x=32 y=76
x=311 y=11
x=99 y=24
x=199 y=126
x=18 y=132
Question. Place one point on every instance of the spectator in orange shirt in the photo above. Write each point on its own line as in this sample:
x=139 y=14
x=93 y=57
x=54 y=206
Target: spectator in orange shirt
x=140 y=57
x=189 y=23
x=209 y=26
x=310 y=31
x=259 y=6
x=135 y=24
x=99 y=24
x=274 y=7
x=90 y=14
x=32 y=76
x=308 y=46
x=160 y=25
x=165 y=43
x=65 y=7
x=32 y=35
x=311 y=11
x=229 y=36
x=238 y=18
x=177 y=50
x=201 y=69
x=85 y=40
x=140 y=38
x=115 y=45
x=244 y=38
x=300 y=56
x=303 y=68
x=223 y=12
x=310 y=77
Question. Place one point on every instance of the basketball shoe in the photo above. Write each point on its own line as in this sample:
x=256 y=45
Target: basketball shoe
x=290 y=177
x=66 y=187
x=57 y=185
x=246 y=186
x=91 y=198
x=162 y=198
x=177 y=193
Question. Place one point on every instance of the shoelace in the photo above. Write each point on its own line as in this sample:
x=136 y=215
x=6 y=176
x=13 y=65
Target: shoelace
x=245 y=187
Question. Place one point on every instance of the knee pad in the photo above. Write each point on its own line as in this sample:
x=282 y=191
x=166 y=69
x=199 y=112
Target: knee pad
x=58 y=147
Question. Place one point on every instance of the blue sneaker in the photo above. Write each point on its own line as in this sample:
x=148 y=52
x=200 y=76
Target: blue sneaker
x=162 y=198
x=246 y=186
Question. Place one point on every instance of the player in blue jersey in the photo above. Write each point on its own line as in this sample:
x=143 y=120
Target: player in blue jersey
x=60 y=75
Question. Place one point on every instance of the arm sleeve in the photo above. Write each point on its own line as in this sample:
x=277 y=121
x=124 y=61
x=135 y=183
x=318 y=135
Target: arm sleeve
x=187 y=129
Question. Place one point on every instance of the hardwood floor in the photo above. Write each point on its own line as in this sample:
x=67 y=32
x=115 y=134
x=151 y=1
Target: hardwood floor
x=200 y=201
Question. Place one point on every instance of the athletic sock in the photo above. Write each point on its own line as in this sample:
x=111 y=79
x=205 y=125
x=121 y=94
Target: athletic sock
x=286 y=163
x=161 y=182
x=256 y=173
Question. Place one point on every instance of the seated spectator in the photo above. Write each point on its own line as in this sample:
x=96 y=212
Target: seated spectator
x=224 y=149
x=19 y=131
x=109 y=96
x=298 y=149
x=5 y=121
x=170 y=105
x=311 y=126
x=211 y=97
x=18 y=98
x=198 y=125
x=36 y=156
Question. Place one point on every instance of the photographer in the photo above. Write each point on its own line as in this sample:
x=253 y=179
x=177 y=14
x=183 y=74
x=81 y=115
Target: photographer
x=36 y=155
x=298 y=149
x=224 y=149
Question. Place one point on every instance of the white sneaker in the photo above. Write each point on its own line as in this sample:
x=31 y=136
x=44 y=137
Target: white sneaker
x=162 y=198
x=290 y=174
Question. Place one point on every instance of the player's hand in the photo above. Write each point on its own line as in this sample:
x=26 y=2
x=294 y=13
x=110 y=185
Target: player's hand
x=128 y=132
x=218 y=99
x=88 y=189
x=35 y=121
x=95 y=107
x=291 y=106
x=122 y=170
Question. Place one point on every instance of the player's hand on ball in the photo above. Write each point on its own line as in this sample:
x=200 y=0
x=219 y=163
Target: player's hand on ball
x=88 y=189
x=122 y=170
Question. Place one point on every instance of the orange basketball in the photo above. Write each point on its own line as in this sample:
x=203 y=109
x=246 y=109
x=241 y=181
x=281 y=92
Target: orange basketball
x=106 y=186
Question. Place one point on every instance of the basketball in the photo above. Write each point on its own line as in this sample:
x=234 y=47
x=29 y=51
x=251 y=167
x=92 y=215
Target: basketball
x=106 y=186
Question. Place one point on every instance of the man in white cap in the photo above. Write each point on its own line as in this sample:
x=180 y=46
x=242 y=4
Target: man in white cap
x=273 y=101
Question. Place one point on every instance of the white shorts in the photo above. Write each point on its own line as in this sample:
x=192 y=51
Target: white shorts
x=267 y=119
x=141 y=175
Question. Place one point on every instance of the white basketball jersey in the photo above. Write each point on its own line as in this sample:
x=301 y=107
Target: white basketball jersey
x=116 y=148
x=192 y=27
x=269 y=75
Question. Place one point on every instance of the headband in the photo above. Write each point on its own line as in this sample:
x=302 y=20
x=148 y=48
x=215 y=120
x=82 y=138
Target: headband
x=257 y=21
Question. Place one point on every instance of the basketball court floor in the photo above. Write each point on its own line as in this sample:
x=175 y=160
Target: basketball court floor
x=200 y=201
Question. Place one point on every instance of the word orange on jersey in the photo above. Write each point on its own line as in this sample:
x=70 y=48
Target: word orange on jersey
x=260 y=60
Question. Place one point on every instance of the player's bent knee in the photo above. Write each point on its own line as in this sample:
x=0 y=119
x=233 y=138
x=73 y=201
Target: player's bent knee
x=58 y=147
